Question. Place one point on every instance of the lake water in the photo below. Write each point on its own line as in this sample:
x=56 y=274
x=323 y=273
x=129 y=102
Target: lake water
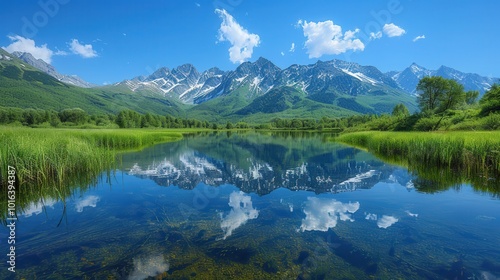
x=259 y=206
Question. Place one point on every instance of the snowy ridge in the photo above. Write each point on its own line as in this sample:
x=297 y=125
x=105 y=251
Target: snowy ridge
x=409 y=78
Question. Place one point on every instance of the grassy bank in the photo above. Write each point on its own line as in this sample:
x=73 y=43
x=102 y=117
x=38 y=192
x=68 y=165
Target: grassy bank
x=461 y=156
x=53 y=155
x=49 y=163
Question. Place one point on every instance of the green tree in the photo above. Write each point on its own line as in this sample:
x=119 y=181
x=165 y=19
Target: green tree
x=491 y=101
x=453 y=96
x=75 y=115
x=429 y=89
x=400 y=111
x=471 y=97
x=437 y=94
x=128 y=119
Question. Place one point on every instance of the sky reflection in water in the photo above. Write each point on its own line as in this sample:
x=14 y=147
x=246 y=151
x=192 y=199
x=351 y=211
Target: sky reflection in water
x=271 y=207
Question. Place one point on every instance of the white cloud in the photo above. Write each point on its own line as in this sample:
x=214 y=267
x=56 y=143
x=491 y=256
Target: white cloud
x=59 y=52
x=197 y=4
x=386 y=221
x=21 y=44
x=150 y=266
x=242 y=42
x=85 y=51
x=418 y=38
x=371 y=217
x=242 y=211
x=37 y=207
x=374 y=35
x=326 y=38
x=292 y=48
x=282 y=54
x=322 y=214
x=89 y=201
x=392 y=30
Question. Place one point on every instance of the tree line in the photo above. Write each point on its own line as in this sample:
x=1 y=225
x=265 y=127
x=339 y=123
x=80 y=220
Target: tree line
x=78 y=117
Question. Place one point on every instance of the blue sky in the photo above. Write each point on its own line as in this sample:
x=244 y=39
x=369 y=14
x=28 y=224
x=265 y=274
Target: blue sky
x=109 y=41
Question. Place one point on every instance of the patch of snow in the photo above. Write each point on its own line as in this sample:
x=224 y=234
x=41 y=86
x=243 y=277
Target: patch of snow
x=256 y=81
x=239 y=80
x=415 y=69
x=360 y=76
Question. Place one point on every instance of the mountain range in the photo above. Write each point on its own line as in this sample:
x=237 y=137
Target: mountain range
x=409 y=78
x=254 y=91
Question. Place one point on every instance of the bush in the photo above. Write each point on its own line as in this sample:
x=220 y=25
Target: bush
x=491 y=122
x=426 y=124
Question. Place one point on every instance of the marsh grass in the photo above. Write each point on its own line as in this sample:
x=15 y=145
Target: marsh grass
x=446 y=158
x=52 y=162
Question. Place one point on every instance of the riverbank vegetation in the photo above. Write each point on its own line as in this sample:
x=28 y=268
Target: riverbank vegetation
x=440 y=157
x=51 y=161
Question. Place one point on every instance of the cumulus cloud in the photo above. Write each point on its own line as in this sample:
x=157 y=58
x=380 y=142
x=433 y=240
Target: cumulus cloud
x=21 y=44
x=322 y=214
x=292 y=48
x=149 y=266
x=376 y=35
x=89 y=201
x=37 y=207
x=418 y=38
x=242 y=42
x=242 y=211
x=386 y=221
x=82 y=50
x=326 y=38
x=392 y=30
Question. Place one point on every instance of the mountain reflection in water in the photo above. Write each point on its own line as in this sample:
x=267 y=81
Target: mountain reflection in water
x=318 y=166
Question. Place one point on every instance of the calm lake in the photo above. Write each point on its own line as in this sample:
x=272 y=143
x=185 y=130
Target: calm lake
x=259 y=206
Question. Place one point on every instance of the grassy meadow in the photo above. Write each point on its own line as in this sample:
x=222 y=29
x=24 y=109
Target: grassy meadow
x=446 y=157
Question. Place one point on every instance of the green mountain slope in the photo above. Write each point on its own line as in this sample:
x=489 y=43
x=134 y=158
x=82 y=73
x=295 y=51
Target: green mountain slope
x=289 y=102
x=26 y=87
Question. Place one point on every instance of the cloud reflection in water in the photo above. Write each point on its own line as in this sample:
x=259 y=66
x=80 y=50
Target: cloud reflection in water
x=386 y=221
x=322 y=214
x=149 y=266
x=88 y=201
x=242 y=211
x=37 y=207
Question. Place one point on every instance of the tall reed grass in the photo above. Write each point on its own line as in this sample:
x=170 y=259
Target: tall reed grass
x=472 y=156
x=51 y=162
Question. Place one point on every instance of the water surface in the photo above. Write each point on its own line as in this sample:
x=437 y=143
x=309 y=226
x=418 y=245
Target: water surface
x=260 y=206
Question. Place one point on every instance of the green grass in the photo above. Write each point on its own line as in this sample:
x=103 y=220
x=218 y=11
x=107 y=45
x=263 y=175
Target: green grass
x=39 y=154
x=51 y=162
x=468 y=156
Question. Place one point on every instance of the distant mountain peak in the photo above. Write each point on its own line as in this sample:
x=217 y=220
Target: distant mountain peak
x=49 y=69
x=262 y=60
x=415 y=68
x=409 y=78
